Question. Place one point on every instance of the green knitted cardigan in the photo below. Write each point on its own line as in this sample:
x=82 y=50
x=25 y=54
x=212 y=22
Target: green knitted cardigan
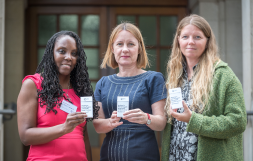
x=219 y=129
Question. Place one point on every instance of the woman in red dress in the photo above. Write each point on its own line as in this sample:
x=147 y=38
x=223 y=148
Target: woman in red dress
x=52 y=133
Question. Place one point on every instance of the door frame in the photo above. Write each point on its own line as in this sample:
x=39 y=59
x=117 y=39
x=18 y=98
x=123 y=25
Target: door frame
x=180 y=12
x=32 y=30
x=106 y=13
x=31 y=56
x=2 y=43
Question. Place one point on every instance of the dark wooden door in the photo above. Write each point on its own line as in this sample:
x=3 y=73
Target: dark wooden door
x=94 y=25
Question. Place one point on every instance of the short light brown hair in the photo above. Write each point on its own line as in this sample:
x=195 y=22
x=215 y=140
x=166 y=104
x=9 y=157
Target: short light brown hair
x=109 y=59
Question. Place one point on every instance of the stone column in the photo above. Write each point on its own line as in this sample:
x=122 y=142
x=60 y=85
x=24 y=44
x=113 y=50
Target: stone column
x=2 y=25
x=247 y=44
x=14 y=73
x=224 y=16
x=232 y=23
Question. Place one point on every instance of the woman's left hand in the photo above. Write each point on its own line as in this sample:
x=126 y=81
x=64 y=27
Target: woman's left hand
x=136 y=116
x=185 y=116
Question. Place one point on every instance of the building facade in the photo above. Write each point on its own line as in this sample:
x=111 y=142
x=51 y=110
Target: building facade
x=26 y=25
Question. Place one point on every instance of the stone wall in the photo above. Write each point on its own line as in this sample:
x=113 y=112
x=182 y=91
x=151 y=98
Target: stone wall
x=2 y=19
x=232 y=23
x=247 y=40
x=224 y=16
x=14 y=55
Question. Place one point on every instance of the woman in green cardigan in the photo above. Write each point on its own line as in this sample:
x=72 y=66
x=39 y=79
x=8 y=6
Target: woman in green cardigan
x=213 y=117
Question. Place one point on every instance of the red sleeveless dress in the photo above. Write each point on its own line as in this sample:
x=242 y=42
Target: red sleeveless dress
x=67 y=147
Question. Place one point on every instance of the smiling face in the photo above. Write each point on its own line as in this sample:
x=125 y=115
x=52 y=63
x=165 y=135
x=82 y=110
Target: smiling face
x=65 y=54
x=192 y=42
x=126 y=49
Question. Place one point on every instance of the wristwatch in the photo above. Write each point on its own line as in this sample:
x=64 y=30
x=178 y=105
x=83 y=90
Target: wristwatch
x=149 y=120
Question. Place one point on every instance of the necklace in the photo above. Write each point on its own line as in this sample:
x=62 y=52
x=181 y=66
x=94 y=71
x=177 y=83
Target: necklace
x=68 y=92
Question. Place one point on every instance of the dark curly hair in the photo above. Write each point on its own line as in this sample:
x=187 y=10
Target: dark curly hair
x=51 y=92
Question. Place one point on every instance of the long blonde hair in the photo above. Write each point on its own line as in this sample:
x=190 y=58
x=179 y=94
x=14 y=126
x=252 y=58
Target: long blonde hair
x=203 y=74
x=109 y=59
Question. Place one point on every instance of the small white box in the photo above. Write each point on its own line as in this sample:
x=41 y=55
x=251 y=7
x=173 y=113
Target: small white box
x=176 y=98
x=87 y=106
x=122 y=105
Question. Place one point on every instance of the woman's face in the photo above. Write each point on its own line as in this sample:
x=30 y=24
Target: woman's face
x=126 y=49
x=192 y=42
x=65 y=54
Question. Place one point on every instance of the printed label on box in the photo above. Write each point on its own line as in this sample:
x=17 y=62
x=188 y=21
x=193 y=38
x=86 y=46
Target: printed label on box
x=122 y=105
x=87 y=106
x=176 y=98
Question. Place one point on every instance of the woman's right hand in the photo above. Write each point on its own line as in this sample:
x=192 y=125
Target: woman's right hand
x=72 y=120
x=114 y=120
x=185 y=116
x=103 y=125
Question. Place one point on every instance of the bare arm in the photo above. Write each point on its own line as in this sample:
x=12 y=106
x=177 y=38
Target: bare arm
x=103 y=125
x=87 y=144
x=27 y=118
x=158 y=119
